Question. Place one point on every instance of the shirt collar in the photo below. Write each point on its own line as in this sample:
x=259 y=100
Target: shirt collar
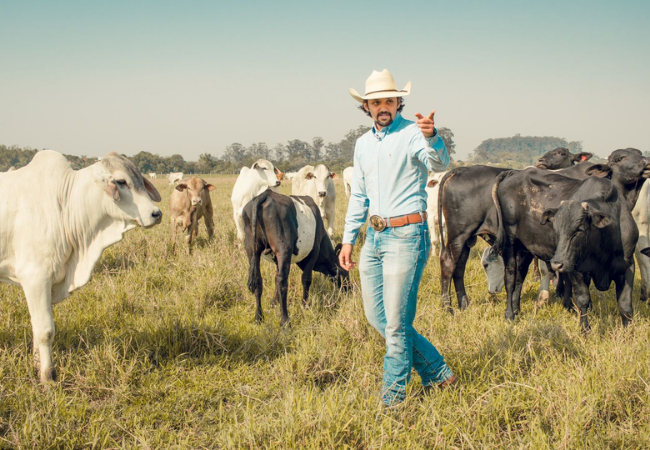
x=380 y=134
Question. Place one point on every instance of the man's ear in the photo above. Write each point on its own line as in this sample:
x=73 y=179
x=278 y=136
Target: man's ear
x=365 y=105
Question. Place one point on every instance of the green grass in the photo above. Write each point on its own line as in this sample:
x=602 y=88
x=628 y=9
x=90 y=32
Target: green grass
x=160 y=350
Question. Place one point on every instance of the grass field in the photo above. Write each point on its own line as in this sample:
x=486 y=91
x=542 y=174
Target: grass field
x=160 y=350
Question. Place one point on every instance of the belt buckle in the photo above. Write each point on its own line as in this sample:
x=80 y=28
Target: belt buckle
x=378 y=223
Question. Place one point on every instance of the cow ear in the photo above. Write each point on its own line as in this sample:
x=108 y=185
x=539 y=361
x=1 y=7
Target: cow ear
x=154 y=195
x=548 y=215
x=646 y=251
x=599 y=170
x=333 y=175
x=209 y=187
x=181 y=187
x=599 y=218
x=255 y=165
x=432 y=183
x=582 y=156
x=279 y=175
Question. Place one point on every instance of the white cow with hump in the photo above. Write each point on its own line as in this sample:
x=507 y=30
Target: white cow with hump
x=56 y=222
x=348 y=175
x=317 y=182
x=250 y=183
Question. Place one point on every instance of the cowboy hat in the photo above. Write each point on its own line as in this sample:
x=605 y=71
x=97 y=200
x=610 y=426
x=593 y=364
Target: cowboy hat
x=381 y=85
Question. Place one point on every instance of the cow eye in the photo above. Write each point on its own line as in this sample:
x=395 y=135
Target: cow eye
x=121 y=183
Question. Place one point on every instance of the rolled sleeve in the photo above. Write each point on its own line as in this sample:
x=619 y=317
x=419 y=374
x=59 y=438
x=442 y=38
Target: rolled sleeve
x=432 y=152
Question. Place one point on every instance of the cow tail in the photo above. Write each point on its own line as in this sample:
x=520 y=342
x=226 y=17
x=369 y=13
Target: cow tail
x=254 y=273
x=497 y=247
x=440 y=193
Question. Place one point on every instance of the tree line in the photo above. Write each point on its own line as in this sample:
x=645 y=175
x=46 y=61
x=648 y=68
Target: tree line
x=516 y=152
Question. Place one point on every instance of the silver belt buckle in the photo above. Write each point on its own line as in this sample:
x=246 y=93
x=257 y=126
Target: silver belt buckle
x=378 y=223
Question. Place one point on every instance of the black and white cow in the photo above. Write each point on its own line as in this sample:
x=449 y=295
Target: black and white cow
x=524 y=198
x=288 y=229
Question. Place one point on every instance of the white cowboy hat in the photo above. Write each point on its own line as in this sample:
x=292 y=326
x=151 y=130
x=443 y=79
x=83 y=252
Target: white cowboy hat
x=381 y=85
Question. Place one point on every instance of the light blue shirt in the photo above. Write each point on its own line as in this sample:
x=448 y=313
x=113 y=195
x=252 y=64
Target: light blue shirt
x=390 y=173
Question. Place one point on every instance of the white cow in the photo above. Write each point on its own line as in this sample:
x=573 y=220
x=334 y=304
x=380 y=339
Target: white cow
x=432 y=188
x=317 y=183
x=348 y=174
x=173 y=177
x=152 y=175
x=641 y=214
x=56 y=222
x=250 y=183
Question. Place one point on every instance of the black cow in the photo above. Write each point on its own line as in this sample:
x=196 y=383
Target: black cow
x=561 y=158
x=523 y=197
x=288 y=230
x=465 y=199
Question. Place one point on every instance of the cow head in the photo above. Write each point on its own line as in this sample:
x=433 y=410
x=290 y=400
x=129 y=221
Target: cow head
x=195 y=188
x=322 y=177
x=561 y=158
x=494 y=270
x=626 y=165
x=269 y=175
x=131 y=193
x=576 y=225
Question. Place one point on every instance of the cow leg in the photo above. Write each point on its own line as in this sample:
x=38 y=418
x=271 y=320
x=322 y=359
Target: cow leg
x=239 y=223
x=330 y=221
x=644 y=267
x=39 y=301
x=282 y=285
x=510 y=279
x=306 y=284
x=544 y=285
x=459 y=278
x=447 y=265
x=581 y=297
x=523 y=263
x=624 y=286
x=536 y=270
x=209 y=221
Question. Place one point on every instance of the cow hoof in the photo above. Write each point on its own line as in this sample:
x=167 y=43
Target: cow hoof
x=259 y=318
x=542 y=299
x=510 y=316
x=49 y=376
x=463 y=304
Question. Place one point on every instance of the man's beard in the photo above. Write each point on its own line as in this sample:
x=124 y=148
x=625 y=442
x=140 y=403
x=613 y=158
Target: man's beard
x=384 y=116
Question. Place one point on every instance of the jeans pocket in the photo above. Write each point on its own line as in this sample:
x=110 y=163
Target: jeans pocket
x=407 y=231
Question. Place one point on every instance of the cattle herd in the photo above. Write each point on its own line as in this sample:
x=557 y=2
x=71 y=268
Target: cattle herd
x=583 y=222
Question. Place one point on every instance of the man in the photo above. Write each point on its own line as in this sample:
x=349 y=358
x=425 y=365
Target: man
x=391 y=163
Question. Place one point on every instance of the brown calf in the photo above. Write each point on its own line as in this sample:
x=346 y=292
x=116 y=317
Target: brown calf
x=190 y=201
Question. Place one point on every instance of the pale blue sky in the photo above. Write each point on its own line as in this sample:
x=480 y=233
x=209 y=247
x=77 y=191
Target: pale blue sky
x=193 y=77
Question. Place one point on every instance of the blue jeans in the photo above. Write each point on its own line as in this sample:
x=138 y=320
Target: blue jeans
x=390 y=269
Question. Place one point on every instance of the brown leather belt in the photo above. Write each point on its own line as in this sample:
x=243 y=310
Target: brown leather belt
x=378 y=223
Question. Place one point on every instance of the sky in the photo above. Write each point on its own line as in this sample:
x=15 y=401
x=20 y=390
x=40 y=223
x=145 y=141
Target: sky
x=193 y=77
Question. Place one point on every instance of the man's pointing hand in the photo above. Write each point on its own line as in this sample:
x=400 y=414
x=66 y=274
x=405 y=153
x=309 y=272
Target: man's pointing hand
x=426 y=124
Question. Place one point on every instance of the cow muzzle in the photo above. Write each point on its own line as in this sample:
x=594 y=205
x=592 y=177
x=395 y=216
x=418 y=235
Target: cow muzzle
x=322 y=193
x=557 y=266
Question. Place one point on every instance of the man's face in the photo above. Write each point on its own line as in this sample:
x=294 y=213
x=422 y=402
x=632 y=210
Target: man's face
x=382 y=110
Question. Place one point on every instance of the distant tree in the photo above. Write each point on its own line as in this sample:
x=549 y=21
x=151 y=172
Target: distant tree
x=235 y=153
x=259 y=150
x=317 y=148
x=206 y=163
x=447 y=137
x=523 y=150
x=146 y=162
